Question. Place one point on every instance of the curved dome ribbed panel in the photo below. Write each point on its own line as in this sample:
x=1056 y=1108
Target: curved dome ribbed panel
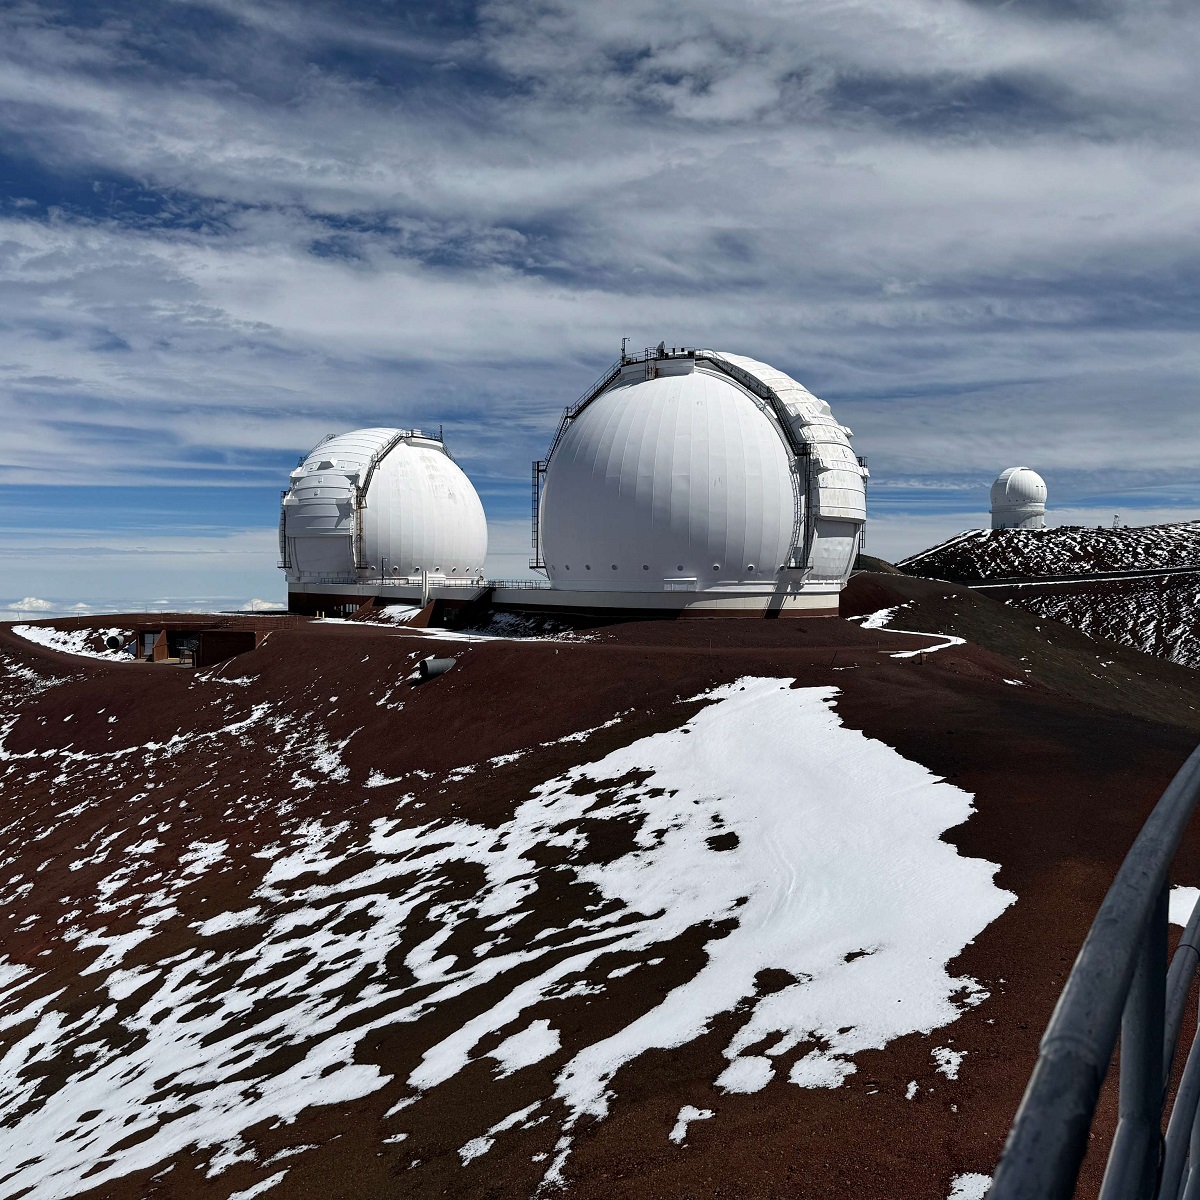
x=1019 y=485
x=839 y=483
x=420 y=511
x=672 y=478
x=424 y=514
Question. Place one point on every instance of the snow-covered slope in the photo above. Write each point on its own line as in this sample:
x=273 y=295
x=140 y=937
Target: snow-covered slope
x=1158 y=615
x=92 y=643
x=577 y=912
x=1066 y=550
x=1157 y=610
x=167 y=1049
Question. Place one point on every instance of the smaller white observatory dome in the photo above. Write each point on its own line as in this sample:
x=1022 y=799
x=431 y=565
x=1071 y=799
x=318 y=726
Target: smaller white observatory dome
x=380 y=503
x=1019 y=500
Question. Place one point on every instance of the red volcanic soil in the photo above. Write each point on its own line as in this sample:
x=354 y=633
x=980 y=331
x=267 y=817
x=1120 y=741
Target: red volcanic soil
x=272 y=929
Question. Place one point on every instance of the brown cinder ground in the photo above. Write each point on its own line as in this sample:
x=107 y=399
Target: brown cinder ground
x=1063 y=768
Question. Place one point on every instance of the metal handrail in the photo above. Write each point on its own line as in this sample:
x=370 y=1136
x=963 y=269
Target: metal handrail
x=478 y=583
x=1119 y=983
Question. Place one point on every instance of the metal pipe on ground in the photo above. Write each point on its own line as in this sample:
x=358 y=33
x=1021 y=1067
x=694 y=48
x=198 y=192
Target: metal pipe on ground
x=430 y=668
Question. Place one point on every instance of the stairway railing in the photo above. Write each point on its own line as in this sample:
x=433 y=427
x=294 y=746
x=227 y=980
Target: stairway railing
x=1119 y=986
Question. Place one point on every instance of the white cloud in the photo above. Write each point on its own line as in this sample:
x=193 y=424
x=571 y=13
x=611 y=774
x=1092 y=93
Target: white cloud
x=121 y=572
x=257 y=605
x=35 y=606
x=969 y=227
x=146 y=571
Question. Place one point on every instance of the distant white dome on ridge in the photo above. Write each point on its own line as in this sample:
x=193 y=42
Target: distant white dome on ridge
x=1019 y=500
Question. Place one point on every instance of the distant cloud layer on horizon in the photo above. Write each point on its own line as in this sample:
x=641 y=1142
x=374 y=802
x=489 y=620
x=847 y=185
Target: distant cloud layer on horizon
x=229 y=228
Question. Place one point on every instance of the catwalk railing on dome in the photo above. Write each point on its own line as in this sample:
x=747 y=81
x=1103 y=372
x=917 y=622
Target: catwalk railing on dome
x=536 y=562
x=649 y=355
x=285 y=557
x=526 y=585
x=1120 y=985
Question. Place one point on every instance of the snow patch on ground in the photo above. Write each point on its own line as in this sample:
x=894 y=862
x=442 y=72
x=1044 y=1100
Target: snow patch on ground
x=394 y=614
x=1156 y=616
x=264 y=1185
x=747 y=1073
x=581 y=735
x=76 y=641
x=378 y=779
x=971 y=1186
x=535 y=1042
x=29 y=682
x=469 y=635
x=821 y=1070
x=879 y=618
x=481 y=1145
x=688 y=1114
x=762 y=825
x=948 y=1061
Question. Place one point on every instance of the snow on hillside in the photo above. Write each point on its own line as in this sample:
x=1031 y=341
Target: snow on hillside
x=761 y=829
x=1066 y=550
x=87 y=642
x=1159 y=616
x=881 y=620
x=19 y=682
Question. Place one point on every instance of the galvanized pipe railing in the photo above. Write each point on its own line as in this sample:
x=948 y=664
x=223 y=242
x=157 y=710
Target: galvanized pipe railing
x=1119 y=984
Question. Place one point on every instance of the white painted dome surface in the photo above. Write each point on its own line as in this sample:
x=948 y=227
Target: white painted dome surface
x=1019 y=500
x=381 y=503
x=685 y=480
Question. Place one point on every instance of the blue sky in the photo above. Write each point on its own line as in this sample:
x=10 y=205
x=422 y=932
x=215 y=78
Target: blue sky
x=229 y=228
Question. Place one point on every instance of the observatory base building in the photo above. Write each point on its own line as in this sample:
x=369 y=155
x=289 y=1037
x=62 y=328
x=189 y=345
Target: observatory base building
x=685 y=482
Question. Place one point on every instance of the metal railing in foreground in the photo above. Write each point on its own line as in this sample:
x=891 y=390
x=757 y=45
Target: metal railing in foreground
x=1120 y=984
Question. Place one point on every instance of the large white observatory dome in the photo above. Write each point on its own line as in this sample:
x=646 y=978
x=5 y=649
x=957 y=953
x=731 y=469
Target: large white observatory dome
x=1019 y=500
x=700 y=471
x=380 y=503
